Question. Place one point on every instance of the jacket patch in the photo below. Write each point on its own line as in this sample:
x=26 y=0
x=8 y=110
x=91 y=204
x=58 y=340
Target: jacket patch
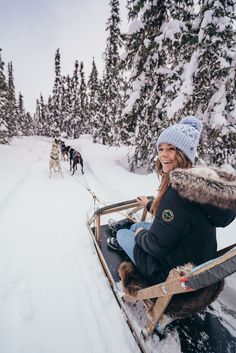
x=167 y=215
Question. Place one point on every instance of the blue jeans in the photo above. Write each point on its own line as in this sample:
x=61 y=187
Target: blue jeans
x=125 y=237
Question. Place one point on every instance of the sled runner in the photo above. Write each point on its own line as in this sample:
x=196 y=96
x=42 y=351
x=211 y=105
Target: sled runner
x=163 y=306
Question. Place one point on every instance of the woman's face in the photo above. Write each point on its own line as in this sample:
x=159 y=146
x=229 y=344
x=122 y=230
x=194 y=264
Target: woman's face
x=167 y=157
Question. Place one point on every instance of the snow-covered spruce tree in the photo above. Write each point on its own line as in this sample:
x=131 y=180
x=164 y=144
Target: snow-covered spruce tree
x=83 y=127
x=177 y=39
x=178 y=43
x=99 y=121
x=110 y=110
x=24 y=119
x=29 y=124
x=66 y=106
x=229 y=139
x=147 y=68
x=42 y=118
x=37 y=116
x=214 y=80
x=94 y=100
x=10 y=107
x=126 y=126
x=4 y=129
x=20 y=111
x=52 y=126
x=55 y=107
x=75 y=121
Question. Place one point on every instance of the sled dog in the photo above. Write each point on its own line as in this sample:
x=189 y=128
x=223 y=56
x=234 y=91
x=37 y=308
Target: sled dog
x=54 y=162
x=64 y=151
x=76 y=158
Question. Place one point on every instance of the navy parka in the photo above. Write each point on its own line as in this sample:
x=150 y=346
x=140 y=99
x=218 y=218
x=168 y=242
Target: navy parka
x=187 y=234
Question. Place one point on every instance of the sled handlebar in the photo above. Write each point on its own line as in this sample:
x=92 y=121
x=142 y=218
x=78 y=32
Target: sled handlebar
x=120 y=205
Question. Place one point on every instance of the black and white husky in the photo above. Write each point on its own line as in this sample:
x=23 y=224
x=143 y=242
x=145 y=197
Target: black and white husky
x=75 y=158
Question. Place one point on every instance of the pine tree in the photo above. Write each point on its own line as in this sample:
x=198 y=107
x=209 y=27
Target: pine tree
x=110 y=111
x=83 y=114
x=29 y=125
x=214 y=82
x=148 y=71
x=4 y=129
x=37 y=117
x=10 y=107
x=99 y=126
x=24 y=120
x=66 y=106
x=75 y=122
x=21 y=115
x=181 y=63
x=55 y=107
x=94 y=101
x=42 y=117
x=179 y=43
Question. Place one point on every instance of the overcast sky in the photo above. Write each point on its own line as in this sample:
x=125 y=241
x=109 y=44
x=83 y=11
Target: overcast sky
x=31 y=31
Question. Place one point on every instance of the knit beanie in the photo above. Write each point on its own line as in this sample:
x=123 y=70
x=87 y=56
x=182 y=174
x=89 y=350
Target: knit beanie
x=184 y=135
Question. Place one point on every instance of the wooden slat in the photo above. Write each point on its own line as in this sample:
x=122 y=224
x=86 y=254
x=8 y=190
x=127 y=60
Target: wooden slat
x=169 y=287
x=224 y=250
x=176 y=286
x=120 y=205
x=97 y=227
x=159 y=307
x=144 y=214
x=118 y=209
x=101 y=258
x=216 y=262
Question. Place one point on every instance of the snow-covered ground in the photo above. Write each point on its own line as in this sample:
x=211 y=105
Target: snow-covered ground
x=54 y=296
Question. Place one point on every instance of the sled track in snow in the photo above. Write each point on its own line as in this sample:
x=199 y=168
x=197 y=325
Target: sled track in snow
x=9 y=196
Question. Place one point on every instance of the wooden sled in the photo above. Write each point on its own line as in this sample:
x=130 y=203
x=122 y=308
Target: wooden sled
x=157 y=299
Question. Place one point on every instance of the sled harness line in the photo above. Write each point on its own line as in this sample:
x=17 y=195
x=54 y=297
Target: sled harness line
x=85 y=184
x=87 y=187
x=99 y=200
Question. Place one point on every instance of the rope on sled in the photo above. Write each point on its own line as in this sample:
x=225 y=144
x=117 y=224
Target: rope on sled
x=81 y=179
x=85 y=184
x=99 y=200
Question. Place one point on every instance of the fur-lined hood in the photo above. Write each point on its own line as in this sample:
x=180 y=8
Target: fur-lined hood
x=207 y=186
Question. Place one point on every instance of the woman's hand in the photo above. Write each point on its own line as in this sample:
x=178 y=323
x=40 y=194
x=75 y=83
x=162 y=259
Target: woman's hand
x=138 y=230
x=142 y=200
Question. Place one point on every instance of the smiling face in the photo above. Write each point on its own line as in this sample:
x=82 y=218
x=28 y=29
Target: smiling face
x=167 y=157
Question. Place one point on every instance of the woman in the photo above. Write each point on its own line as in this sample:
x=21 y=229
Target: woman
x=190 y=204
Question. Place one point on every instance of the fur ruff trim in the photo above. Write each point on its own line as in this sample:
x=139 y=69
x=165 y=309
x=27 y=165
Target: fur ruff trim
x=181 y=305
x=132 y=281
x=206 y=186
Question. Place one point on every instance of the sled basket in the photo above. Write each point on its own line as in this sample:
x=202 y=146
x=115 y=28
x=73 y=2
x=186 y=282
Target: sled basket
x=203 y=276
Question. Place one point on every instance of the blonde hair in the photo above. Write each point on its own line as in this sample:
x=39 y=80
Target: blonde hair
x=182 y=162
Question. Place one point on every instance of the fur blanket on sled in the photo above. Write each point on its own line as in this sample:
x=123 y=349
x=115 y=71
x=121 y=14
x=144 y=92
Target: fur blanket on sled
x=181 y=305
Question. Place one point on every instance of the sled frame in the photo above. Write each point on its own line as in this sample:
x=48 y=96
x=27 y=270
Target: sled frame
x=175 y=282
x=116 y=208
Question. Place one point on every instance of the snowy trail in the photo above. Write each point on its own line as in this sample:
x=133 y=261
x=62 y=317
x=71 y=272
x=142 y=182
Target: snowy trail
x=54 y=296
x=51 y=299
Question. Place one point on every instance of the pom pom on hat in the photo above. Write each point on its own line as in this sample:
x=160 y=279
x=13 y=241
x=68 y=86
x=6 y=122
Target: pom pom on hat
x=184 y=135
x=193 y=121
